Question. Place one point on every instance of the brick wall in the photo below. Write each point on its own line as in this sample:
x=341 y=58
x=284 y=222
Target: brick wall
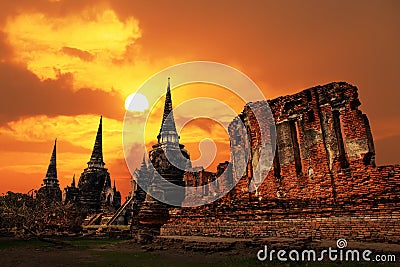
x=375 y=228
x=323 y=182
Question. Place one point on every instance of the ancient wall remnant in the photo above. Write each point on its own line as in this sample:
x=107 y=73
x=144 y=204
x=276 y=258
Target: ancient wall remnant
x=50 y=188
x=323 y=182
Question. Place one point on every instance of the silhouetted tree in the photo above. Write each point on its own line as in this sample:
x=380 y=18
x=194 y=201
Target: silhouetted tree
x=27 y=216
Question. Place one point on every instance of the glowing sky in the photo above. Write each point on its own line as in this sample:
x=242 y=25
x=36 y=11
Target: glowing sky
x=63 y=63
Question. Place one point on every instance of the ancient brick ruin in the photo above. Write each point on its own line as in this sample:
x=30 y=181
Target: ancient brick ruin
x=323 y=184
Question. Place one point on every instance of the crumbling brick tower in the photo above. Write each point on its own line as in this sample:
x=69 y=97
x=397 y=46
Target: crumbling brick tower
x=321 y=134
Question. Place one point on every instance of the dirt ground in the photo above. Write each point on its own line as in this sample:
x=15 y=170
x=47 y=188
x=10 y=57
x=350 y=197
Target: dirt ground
x=171 y=251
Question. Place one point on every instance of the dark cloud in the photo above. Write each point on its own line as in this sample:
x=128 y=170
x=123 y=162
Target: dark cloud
x=75 y=52
x=22 y=94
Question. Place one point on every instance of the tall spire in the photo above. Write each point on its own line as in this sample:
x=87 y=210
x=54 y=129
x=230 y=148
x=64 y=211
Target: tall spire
x=51 y=175
x=50 y=188
x=96 y=160
x=168 y=122
x=73 y=181
x=52 y=169
x=144 y=165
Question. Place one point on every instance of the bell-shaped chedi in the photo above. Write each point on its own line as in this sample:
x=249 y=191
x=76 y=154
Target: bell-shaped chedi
x=50 y=189
x=95 y=190
x=169 y=158
x=165 y=171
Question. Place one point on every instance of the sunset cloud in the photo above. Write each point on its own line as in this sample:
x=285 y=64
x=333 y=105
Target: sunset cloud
x=84 y=44
x=23 y=94
x=83 y=55
x=79 y=130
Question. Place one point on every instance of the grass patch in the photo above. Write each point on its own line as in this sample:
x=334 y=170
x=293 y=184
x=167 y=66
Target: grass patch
x=19 y=243
x=128 y=258
x=83 y=243
x=145 y=259
x=92 y=242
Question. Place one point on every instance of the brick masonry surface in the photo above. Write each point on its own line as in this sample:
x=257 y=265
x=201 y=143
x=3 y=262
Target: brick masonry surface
x=323 y=182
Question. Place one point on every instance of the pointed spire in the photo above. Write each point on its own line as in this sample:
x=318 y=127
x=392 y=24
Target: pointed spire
x=168 y=122
x=52 y=169
x=51 y=175
x=168 y=110
x=115 y=188
x=73 y=181
x=144 y=165
x=97 y=154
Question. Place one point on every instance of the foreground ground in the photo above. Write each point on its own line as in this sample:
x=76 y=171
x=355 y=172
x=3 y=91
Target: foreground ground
x=163 y=252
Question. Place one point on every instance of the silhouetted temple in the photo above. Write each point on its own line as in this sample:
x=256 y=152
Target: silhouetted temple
x=168 y=160
x=51 y=188
x=94 y=193
x=71 y=192
x=143 y=176
x=136 y=196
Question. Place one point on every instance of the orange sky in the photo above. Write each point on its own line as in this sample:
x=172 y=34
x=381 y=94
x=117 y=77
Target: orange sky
x=63 y=63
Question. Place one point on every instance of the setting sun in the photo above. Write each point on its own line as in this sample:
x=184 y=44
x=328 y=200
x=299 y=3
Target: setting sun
x=136 y=102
